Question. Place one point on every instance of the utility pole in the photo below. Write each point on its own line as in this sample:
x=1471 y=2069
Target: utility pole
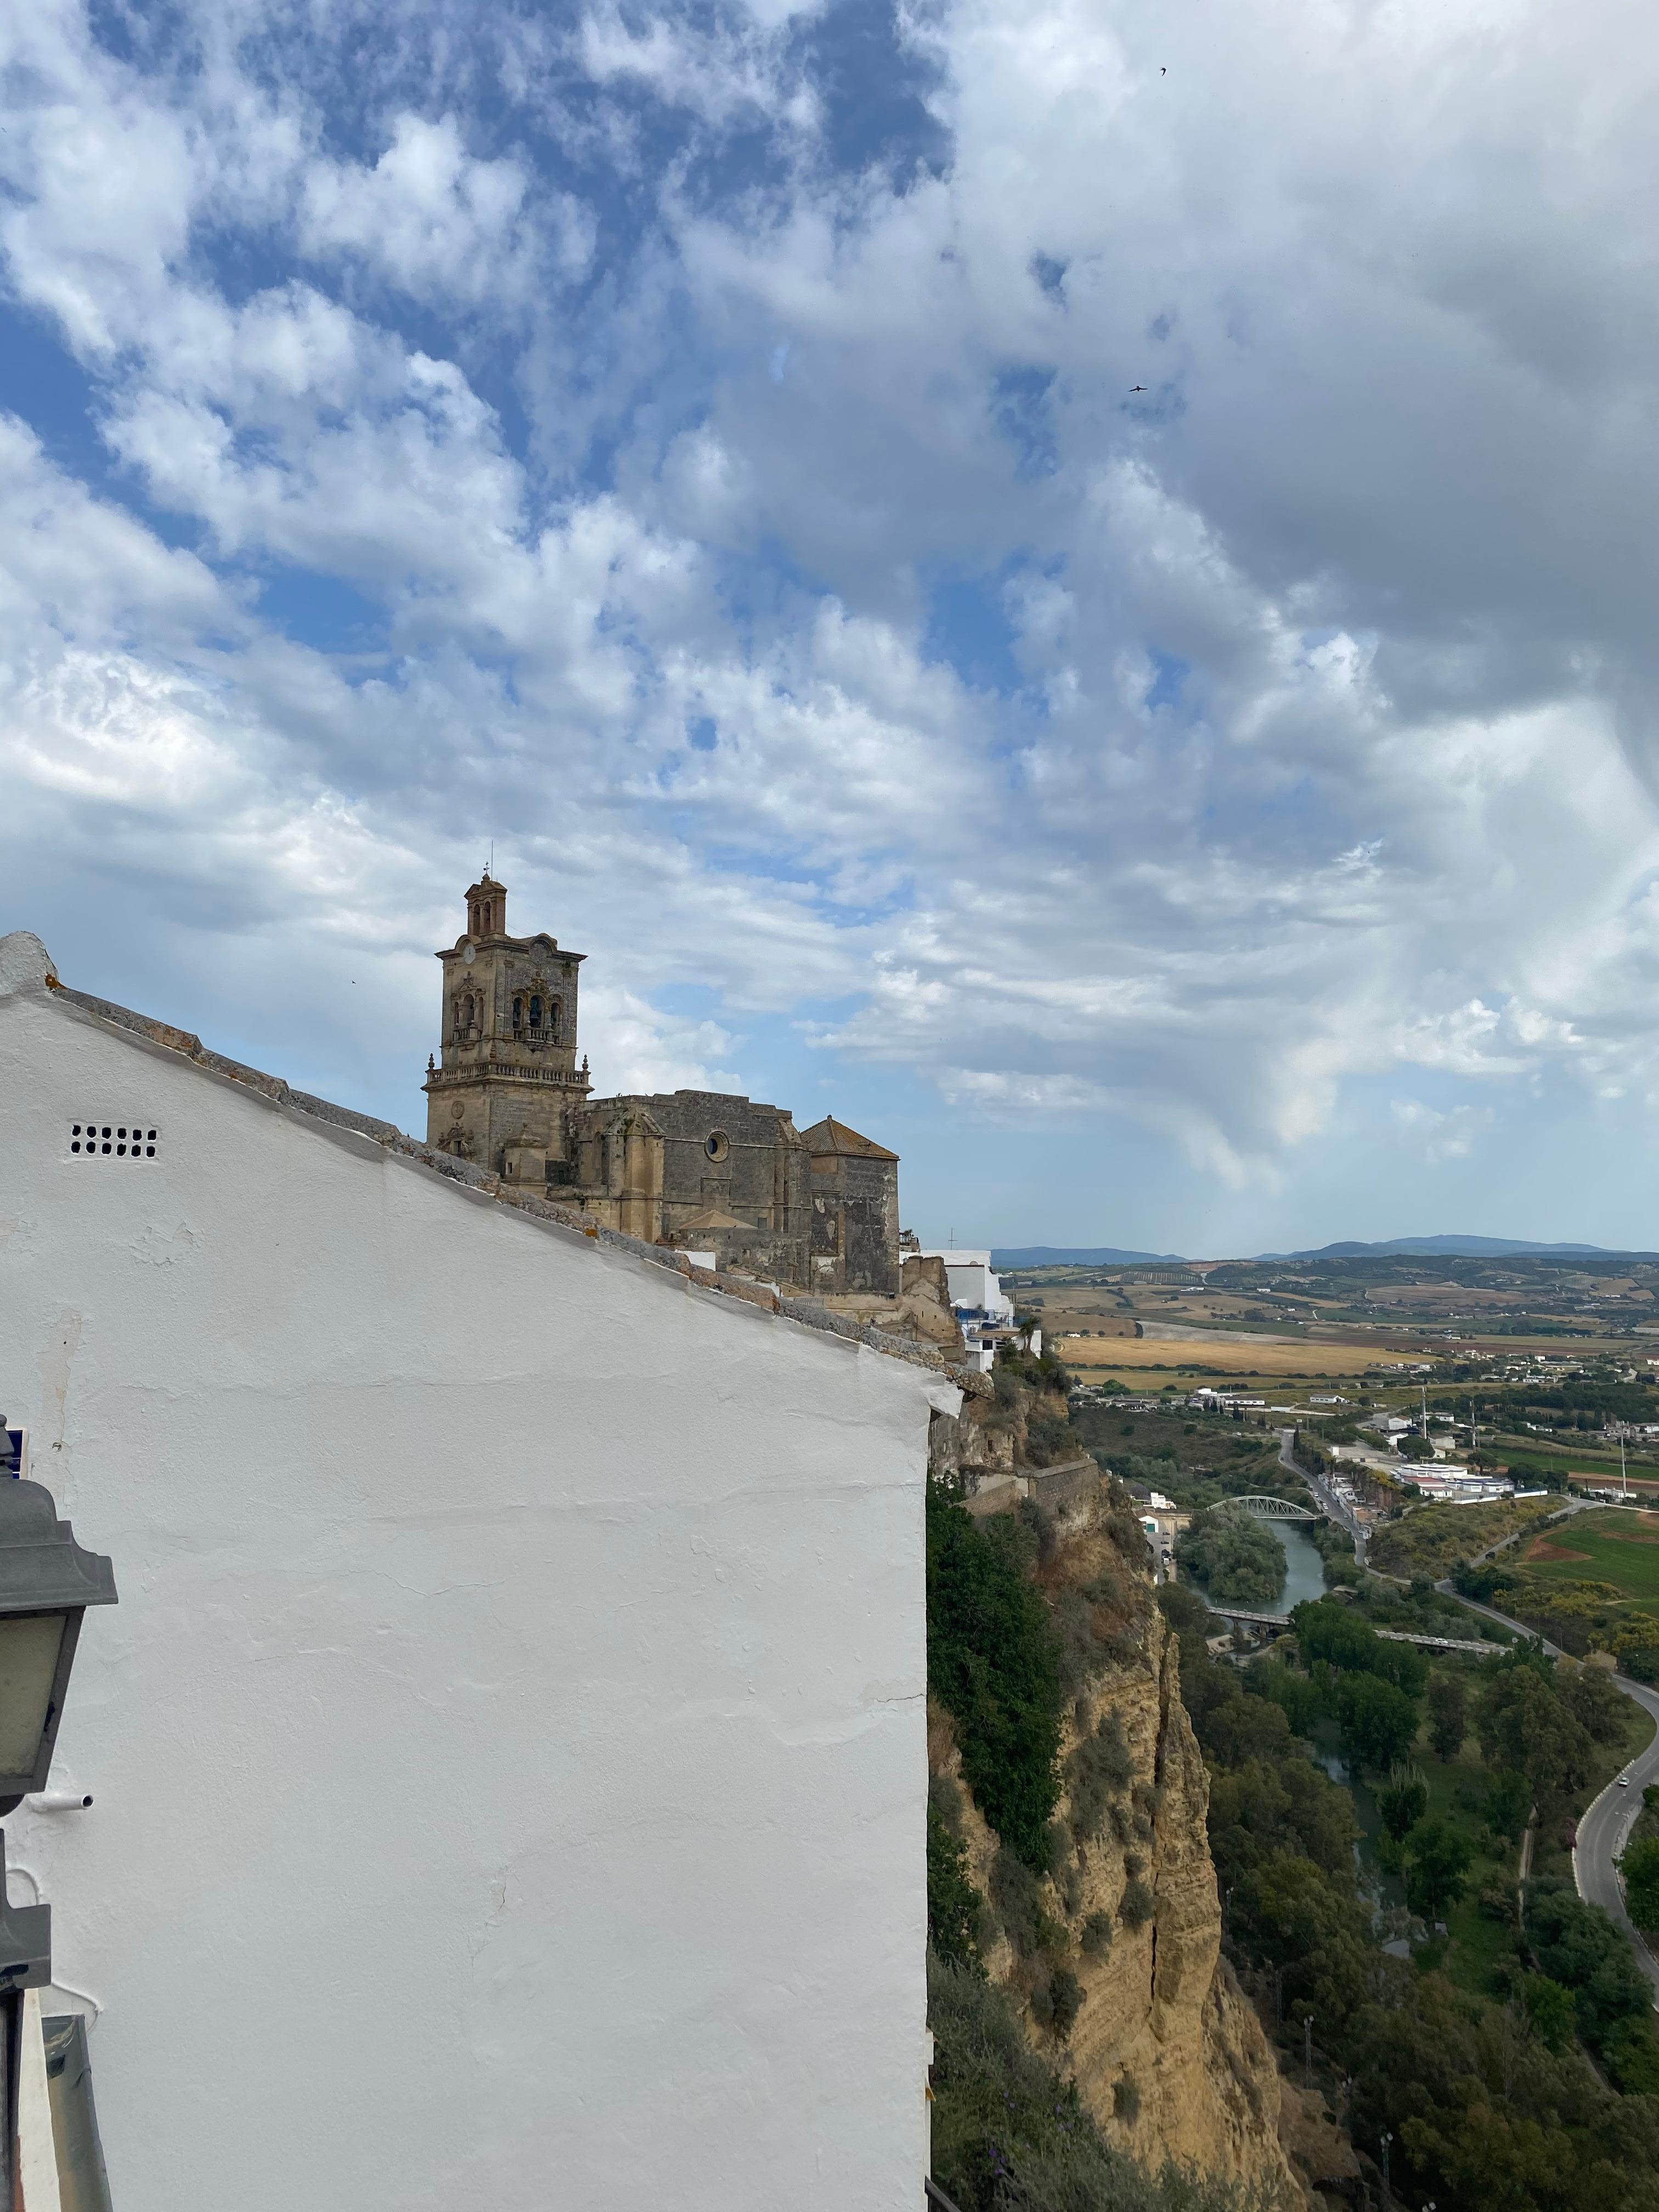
x=1307 y=2050
x=1624 y=1480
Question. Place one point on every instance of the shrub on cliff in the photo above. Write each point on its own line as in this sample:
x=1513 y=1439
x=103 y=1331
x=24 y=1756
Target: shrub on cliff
x=1010 y=2135
x=992 y=1663
x=954 y=1905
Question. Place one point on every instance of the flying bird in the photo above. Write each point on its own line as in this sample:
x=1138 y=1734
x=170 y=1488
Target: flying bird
x=1163 y=72
x=1134 y=388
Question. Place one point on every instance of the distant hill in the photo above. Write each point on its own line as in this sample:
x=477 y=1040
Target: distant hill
x=1430 y=1248
x=1425 y=1247
x=1098 y=1255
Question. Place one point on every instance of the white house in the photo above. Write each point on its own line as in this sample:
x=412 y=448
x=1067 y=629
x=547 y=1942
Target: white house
x=974 y=1289
x=977 y=1301
x=508 y=1754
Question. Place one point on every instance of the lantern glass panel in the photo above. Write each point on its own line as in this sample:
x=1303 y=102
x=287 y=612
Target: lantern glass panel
x=29 y=1644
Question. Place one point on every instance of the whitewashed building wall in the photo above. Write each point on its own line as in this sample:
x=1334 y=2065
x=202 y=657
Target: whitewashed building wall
x=508 y=1751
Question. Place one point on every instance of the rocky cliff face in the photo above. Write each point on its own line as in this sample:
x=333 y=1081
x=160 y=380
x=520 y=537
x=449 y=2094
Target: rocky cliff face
x=1164 y=2049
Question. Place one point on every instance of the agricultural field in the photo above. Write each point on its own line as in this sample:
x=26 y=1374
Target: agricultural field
x=1264 y=1358
x=1458 y=1310
x=1600 y=1467
x=1617 y=1547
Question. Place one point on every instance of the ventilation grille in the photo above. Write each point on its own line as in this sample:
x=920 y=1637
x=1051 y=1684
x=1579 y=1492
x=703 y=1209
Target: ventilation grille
x=113 y=1140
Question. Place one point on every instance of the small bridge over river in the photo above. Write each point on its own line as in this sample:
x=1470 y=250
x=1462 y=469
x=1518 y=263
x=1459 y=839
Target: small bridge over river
x=1388 y=1635
x=1272 y=1509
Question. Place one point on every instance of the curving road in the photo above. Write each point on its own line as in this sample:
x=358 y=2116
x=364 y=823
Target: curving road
x=1603 y=1827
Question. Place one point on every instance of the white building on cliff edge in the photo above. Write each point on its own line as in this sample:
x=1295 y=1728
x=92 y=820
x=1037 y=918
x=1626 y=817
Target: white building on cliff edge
x=978 y=1301
x=508 y=1751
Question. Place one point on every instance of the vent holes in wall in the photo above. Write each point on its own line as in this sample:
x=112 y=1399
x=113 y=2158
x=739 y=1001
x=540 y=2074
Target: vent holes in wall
x=113 y=1140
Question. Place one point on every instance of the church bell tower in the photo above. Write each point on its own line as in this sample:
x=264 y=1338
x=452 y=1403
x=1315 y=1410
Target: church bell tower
x=506 y=1077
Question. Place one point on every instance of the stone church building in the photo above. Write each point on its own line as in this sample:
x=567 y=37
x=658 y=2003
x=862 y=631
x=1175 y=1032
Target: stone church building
x=815 y=1209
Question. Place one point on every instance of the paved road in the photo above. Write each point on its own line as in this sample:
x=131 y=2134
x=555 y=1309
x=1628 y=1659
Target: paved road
x=1602 y=1829
x=1327 y=1500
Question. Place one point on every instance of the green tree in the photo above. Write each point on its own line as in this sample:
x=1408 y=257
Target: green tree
x=1326 y=1630
x=1509 y=1804
x=1448 y=1717
x=1437 y=1861
x=1578 y=1946
x=1296 y=1695
x=992 y=1663
x=1402 y=1800
x=1631 y=2052
x=1284 y=1805
x=1378 y=1722
x=1522 y=1724
x=1640 y=1868
x=1550 y=2009
x=1599 y=1708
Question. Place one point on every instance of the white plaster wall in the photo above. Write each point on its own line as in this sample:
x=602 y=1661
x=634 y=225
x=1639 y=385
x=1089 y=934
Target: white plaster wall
x=509 y=1748
x=972 y=1282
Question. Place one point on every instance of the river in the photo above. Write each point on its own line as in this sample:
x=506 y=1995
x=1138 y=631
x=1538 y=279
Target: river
x=1305 y=1570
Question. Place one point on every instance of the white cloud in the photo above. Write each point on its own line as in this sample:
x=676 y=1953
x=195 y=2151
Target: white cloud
x=773 y=555
x=440 y=223
x=1442 y=1136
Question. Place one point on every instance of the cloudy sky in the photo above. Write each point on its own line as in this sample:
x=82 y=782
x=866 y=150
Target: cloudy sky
x=1072 y=582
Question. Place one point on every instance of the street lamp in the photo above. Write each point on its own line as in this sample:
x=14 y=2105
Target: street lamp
x=46 y=1584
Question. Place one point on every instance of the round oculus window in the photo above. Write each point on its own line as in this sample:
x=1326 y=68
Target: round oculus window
x=717 y=1147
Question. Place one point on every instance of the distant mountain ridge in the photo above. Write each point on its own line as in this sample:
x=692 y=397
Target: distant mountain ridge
x=1097 y=1255
x=1426 y=1248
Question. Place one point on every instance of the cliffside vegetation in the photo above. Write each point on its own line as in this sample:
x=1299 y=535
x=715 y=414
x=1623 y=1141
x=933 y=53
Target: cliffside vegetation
x=993 y=1663
x=1009 y=2132
x=1065 y=1862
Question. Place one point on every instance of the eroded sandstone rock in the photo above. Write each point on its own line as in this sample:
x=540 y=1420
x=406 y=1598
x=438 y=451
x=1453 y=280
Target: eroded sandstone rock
x=1160 y=2010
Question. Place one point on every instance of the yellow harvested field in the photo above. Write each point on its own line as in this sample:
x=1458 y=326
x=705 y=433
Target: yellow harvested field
x=1270 y=1356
